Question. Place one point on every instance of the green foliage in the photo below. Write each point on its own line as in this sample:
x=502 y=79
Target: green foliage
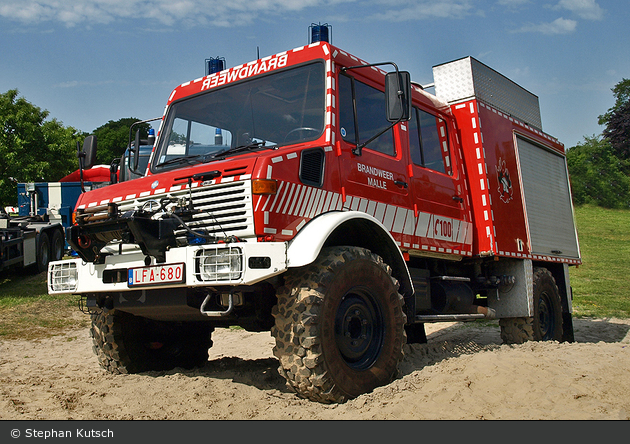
x=617 y=131
x=113 y=138
x=600 y=285
x=598 y=175
x=32 y=148
x=621 y=91
x=617 y=120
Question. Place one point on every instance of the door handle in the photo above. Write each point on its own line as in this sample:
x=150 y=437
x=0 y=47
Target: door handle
x=458 y=199
x=401 y=183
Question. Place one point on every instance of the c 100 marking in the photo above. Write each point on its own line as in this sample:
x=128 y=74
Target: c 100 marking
x=443 y=229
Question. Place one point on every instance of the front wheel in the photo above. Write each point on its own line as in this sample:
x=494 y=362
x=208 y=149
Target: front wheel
x=124 y=343
x=339 y=325
x=546 y=324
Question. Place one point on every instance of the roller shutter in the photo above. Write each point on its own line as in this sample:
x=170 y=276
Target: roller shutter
x=547 y=201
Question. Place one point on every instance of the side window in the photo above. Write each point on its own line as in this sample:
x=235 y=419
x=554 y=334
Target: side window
x=428 y=141
x=370 y=116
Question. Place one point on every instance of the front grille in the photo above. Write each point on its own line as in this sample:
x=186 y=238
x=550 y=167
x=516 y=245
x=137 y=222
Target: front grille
x=225 y=209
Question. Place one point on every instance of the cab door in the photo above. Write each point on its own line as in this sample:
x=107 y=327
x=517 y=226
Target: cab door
x=436 y=184
x=375 y=179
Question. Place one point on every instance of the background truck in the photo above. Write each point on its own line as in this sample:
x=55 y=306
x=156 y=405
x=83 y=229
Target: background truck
x=337 y=205
x=34 y=235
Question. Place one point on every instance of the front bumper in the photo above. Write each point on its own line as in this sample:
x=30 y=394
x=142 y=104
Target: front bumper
x=233 y=264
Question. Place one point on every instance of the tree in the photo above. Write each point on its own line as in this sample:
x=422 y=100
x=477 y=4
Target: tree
x=597 y=175
x=113 y=138
x=32 y=148
x=617 y=120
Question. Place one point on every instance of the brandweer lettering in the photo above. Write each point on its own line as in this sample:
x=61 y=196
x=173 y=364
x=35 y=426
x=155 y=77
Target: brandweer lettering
x=376 y=172
x=246 y=71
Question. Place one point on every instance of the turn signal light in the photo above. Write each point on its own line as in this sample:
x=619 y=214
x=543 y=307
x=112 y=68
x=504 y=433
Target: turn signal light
x=264 y=186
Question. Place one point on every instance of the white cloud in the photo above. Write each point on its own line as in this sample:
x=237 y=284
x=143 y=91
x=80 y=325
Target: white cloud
x=212 y=12
x=403 y=10
x=558 y=26
x=169 y=12
x=512 y=3
x=585 y=9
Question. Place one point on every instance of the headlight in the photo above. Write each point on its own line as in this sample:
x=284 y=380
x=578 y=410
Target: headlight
x=224 y=264
x=64 y=276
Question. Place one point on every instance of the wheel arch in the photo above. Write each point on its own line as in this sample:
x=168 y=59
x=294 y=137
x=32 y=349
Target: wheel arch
x=349 y=228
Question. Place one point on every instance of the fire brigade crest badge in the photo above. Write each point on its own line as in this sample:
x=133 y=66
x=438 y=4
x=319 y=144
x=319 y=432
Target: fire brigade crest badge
x=505 y=183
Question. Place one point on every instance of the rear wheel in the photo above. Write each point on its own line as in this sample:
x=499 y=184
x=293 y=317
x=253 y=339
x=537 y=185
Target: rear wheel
x=43 y=252
x=339 y=326
x=125 y=343
x=546 y=324
x=57 y=246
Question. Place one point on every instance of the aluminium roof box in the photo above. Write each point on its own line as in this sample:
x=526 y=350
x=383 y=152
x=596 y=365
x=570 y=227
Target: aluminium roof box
x=468 y=78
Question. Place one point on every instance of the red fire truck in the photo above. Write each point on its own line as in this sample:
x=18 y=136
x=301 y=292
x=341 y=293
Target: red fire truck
x=336 y=204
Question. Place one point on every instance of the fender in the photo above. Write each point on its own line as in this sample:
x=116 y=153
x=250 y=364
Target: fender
x=351 y=228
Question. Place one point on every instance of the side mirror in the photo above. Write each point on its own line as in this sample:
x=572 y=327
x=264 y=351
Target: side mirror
x=398 y=96
x=87 y=155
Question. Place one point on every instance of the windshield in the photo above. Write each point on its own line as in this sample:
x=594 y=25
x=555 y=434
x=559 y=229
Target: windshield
x=278 y=109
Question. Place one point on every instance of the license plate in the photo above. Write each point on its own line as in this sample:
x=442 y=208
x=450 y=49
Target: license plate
x=156 y=275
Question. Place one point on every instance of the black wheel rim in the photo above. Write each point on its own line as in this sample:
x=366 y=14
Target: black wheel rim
x=545 y=317
x=359 y=329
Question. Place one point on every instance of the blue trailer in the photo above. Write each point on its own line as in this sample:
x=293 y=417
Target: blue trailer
x=35 y=234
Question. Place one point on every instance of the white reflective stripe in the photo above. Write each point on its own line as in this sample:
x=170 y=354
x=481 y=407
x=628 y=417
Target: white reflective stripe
x=389 y=217
x=290 y=194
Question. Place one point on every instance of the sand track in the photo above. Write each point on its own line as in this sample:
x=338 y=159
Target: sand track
x=462 y=373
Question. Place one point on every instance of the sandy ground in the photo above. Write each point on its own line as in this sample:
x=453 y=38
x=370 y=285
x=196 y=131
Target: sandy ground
x=462 y=373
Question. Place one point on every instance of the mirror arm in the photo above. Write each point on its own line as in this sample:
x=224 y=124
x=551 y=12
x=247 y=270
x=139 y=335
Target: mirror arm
x=344 y=69
x=359 y=148
x=133 y=167
x=81 y=156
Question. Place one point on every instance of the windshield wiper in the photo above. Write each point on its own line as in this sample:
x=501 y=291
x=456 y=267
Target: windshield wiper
x=203 y=158
x=249 y=147
x=183 y=159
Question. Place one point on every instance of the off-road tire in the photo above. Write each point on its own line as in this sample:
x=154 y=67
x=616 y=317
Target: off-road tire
x=339 y=325
x=124 y=343
x=546 y=324
x=516 y=330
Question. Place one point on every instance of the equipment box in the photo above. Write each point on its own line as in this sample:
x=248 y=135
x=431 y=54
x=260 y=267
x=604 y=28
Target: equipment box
x=517 y=174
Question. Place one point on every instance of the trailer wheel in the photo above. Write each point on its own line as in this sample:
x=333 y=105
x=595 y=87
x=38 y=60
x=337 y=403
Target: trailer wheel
x=57 y=245
x=546 y=324
x=124 y=343
x=339 y=326
x=43 y=252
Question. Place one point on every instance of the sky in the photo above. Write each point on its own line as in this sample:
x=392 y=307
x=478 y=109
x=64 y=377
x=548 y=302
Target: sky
x=91 y=61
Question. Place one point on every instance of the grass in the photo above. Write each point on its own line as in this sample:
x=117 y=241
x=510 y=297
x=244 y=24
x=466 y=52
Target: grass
x=28 y=312
x=601 y=286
